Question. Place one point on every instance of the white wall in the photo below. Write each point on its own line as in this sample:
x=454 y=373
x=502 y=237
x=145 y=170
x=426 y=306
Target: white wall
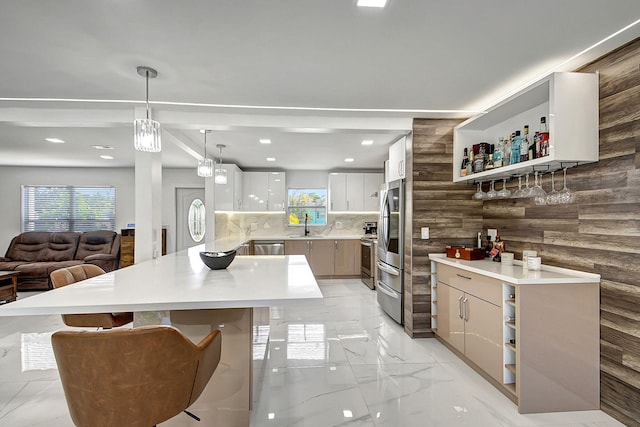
x=12 y=177
x=122 y=179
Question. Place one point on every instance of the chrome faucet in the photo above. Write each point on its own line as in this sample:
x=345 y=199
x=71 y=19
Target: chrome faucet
x=306 y=229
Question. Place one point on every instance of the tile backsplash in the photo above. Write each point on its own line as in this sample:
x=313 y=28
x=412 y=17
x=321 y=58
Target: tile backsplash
x=238 y=224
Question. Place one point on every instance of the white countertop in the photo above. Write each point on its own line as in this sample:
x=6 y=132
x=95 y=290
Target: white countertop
x=516 y=274
x=180 y=281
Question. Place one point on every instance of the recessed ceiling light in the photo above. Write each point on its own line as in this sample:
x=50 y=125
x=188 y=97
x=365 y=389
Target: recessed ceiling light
x=371 y=3
x=106 y=157
x=55 y=140
x=349 y=159
x=271 y=159
x=367 y=142
x=102 y=147
x=265 y=141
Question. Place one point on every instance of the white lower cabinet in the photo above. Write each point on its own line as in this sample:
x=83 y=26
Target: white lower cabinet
x=472 y=326
x=536 y=338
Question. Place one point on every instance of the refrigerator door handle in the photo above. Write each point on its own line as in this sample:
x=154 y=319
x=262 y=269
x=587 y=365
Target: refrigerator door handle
x=388 y=269
x=383 y=288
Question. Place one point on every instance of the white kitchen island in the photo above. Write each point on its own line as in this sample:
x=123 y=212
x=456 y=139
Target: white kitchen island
x=179 y=289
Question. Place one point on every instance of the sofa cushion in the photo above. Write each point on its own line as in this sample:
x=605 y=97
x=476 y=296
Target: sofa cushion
x=96 y=242
x=35 y=269
x=10 y=265
x=29 y=246
x=62 y=246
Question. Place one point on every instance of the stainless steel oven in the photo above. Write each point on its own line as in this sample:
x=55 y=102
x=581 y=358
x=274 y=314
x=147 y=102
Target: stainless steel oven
x=366 y=264
x=390 y=265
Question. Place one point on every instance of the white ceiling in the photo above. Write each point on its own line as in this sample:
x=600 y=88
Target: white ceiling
x=324 y=55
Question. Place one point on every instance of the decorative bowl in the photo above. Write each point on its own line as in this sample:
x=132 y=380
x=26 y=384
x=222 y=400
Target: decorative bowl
x=218 y=260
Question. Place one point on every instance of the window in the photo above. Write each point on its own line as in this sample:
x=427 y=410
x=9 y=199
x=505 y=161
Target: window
x=196 y=220
x=307 y=201
x=68 y=208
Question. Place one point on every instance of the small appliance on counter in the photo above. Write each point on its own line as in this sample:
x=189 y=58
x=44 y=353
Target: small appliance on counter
x=370 y=228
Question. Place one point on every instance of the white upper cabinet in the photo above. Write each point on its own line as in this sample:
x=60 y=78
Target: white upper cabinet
x=397 y=160
x=354 y=192
x=228 y=197
x=569 y=101
x=277 y=192
x=264 y=191
x=372 y=184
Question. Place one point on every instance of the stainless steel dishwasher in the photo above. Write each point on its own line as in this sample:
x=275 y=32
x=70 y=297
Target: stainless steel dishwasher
x=268 y=247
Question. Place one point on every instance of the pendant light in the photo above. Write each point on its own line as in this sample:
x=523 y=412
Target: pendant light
x=205 y=166
x=221 y=174
x=146 y=132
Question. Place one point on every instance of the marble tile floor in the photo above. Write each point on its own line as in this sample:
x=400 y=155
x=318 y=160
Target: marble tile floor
x=340 y=363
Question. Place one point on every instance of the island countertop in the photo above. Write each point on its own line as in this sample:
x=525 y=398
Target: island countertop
x=516 y=274
x=180 y=281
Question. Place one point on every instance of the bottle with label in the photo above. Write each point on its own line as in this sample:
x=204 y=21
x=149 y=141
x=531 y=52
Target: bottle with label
x=544 y=137
x=536 y=145
x=506 y=153
x=465 y=162
x=478 y=161
x=532 y=148
x=515 y=148
x=524 y=145
x=497 y=153
x=470 y=163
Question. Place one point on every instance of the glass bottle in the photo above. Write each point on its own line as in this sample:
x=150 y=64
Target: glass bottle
x=515 y=148
x=478 y=161
x=470 y=164
x=506 y=153
x=544 y=137
x=524 y=145
x=465 y=162
x=497 y=153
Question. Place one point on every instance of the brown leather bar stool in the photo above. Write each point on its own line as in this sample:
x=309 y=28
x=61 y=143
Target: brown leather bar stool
x=133 y=377
x=68 y=275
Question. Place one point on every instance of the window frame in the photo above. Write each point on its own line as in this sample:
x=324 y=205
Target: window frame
x=323 y=192
x=70 y=199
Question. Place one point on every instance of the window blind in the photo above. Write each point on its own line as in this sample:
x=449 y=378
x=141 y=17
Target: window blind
x=68 y=208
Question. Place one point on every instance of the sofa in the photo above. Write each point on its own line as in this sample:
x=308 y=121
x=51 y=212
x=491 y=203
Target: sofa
x=35 y=254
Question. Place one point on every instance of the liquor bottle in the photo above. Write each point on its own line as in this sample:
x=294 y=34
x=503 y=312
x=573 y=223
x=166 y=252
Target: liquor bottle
x=524 y=145
x=490 y=164
x=536 y=145
x=506 y=153
x=497 y=153
x=470 y=164
x=532 y=148
x=465 y=162
x=478 y=161
x=544 y=137
x=515 y=148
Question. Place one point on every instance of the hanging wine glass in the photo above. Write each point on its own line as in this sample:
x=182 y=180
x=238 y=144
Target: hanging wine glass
x=479 y=195
x=537 y=192
x=505 y=193
x=526 y=191
x=553 y=195
x=492 y=193
x=518 y=193
x=565 y=195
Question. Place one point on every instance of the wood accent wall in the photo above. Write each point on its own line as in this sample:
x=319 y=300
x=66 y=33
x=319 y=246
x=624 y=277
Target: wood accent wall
x=599 y=233
x=433 y=201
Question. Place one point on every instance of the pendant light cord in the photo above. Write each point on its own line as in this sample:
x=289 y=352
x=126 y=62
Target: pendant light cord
x=147 y=78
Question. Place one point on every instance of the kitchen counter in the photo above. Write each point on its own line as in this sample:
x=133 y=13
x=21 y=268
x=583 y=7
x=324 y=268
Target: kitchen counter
x=516 y=274
x=180 y=281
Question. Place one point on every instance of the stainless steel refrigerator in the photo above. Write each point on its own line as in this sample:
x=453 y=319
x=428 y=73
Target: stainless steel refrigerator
x=390 y=266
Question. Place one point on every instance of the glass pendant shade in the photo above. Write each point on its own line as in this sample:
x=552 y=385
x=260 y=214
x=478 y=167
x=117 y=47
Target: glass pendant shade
x=221 y=176
x=147 y=135
x=146 y=132
x=205 y=168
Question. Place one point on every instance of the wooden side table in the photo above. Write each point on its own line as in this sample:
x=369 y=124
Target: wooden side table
x=8 y=292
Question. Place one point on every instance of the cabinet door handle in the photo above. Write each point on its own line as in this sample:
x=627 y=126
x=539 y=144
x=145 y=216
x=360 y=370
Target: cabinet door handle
x=466 y=314
x=464 y=277
x=460 y=306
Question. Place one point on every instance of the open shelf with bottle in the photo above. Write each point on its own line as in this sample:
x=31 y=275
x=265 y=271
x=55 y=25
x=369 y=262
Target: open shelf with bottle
x=568 y=101
x=509 y=331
